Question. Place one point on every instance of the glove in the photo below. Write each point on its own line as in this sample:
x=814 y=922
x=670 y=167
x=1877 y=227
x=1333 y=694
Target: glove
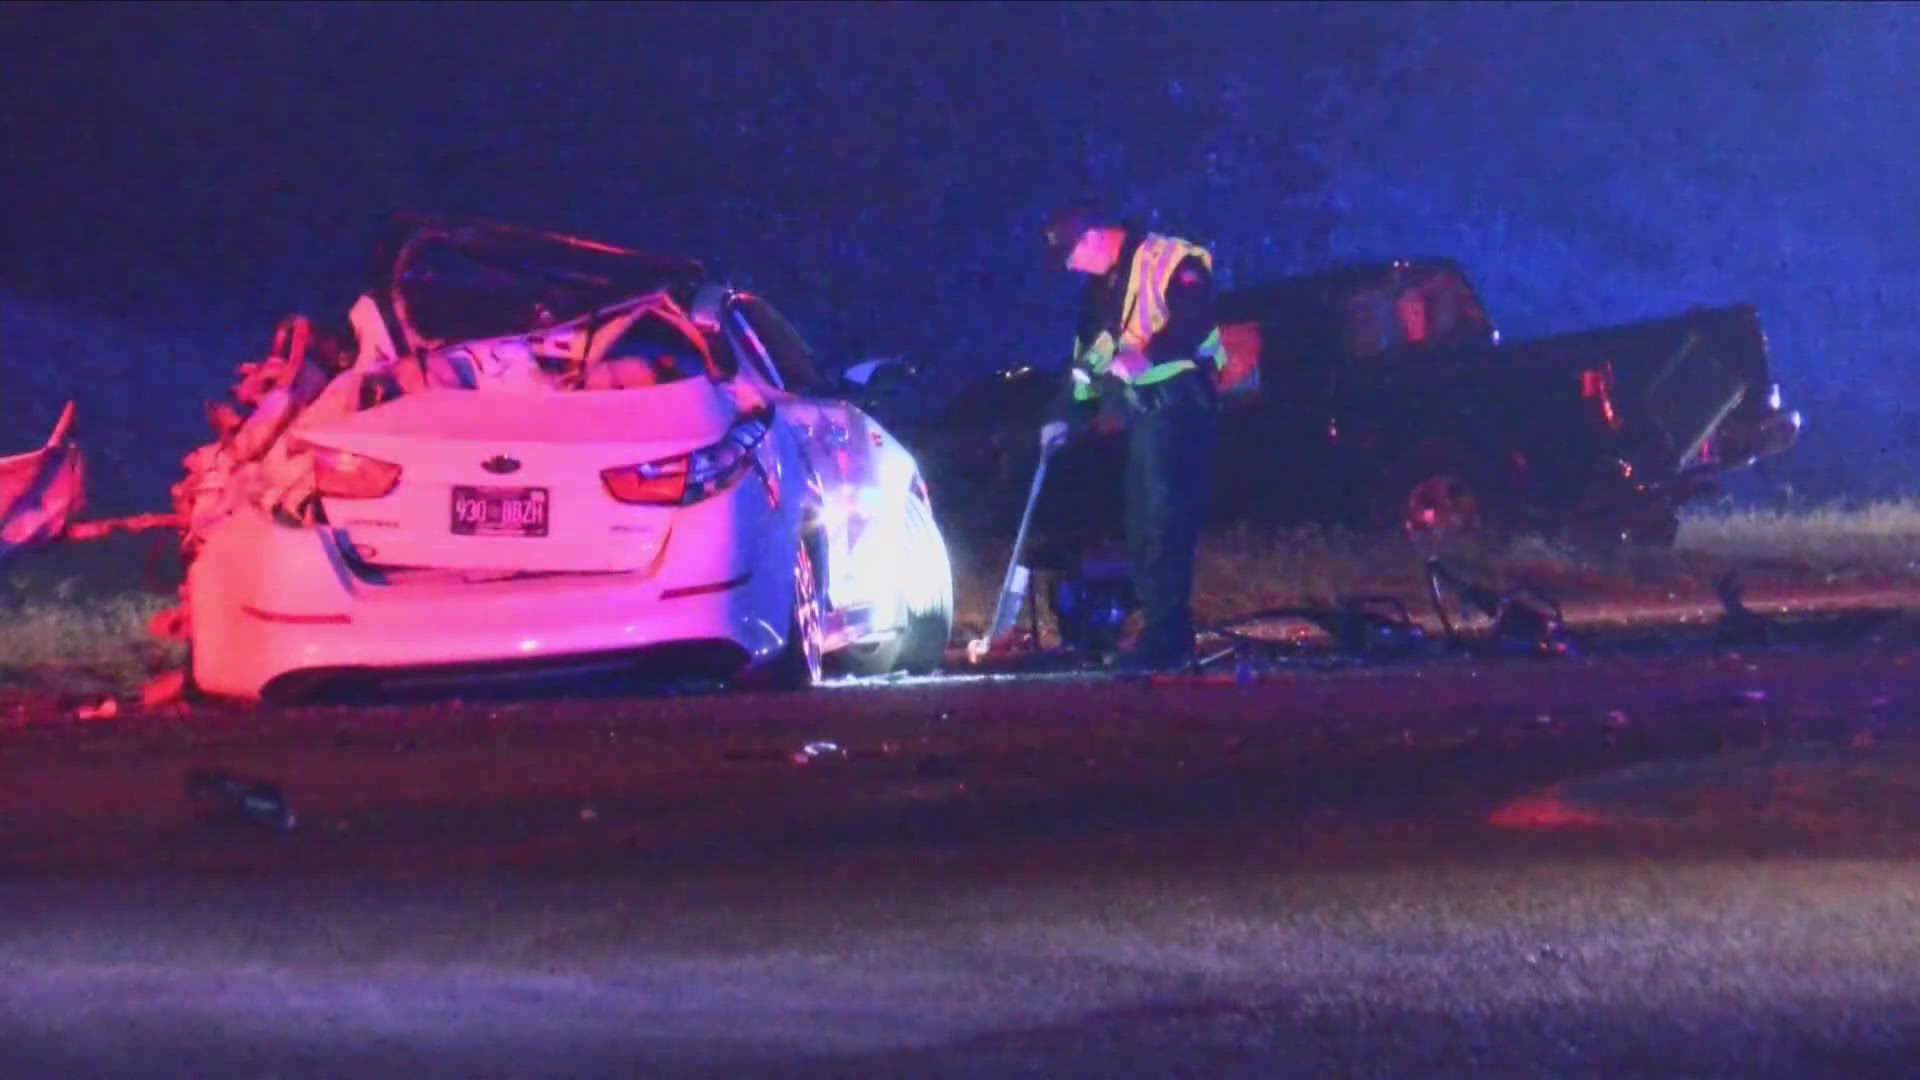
x=1053 y=433
x=1128 y=366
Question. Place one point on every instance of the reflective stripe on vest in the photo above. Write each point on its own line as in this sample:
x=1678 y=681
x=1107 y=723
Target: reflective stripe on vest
x=1211 y=351
x=1163 y=372
x=1151 y=314
x=1144 y=310
x=1083 y=388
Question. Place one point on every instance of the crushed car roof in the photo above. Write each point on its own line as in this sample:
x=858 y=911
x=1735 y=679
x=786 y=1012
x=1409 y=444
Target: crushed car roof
x=466 y=280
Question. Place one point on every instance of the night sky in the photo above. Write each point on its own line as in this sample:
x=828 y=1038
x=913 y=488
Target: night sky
x=176 y=176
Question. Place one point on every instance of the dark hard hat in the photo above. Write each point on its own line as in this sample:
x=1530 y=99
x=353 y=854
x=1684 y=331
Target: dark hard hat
x=1067 y=224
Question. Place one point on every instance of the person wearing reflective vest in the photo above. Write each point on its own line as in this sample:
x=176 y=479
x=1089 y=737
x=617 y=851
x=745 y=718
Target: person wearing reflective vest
x=1146 y=331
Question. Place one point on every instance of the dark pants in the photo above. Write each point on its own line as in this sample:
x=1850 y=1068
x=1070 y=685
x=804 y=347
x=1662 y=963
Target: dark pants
x=1170 y=444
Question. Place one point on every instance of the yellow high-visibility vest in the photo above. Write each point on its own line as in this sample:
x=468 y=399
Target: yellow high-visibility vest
x=1144 y=314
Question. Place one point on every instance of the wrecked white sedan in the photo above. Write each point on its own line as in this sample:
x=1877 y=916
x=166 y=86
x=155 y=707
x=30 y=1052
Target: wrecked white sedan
x=547 y=454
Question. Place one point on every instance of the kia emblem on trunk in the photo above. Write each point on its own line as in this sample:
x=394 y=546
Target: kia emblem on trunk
x=500 y=464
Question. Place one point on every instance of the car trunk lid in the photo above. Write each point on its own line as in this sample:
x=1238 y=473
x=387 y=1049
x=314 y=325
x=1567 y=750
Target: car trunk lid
x=493 y=481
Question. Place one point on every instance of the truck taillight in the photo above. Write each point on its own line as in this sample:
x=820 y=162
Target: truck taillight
x=685 y=480
x=1596 y=385
x=343 y=474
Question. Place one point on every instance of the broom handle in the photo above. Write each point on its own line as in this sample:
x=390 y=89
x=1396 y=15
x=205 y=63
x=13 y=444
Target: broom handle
x=1026 y=516
x=1020 y=542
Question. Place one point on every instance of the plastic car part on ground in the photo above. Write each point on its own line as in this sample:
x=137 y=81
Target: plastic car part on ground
x=43 y=490
x=217 y=794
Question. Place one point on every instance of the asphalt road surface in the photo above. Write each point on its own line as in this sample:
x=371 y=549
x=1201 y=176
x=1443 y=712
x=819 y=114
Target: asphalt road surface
x=1044 y=877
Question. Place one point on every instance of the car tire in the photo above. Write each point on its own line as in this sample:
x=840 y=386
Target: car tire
x=921 y=647
x=797 y=666
x=1432 y=495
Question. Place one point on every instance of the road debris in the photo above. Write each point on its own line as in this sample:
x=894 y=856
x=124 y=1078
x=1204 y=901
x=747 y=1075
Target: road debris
x=42 y=490
x=105 y=709
x=1526 y=620
x=1371 y=626
x=818 y=753
x=164 y=689
x=216 y=793
x=1545 y=954
x=1738 y=624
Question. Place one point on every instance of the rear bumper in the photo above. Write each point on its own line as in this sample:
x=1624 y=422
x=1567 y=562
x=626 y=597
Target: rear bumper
x=1645 y=508
x=673 y=661
x=274 y=606
x=1739 y=444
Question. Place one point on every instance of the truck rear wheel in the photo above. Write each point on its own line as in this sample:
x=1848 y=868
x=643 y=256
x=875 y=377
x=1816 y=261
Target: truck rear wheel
x=1442 y=504
x=1431 y=496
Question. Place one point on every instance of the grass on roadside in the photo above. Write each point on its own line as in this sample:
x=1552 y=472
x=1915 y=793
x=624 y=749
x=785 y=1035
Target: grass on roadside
x=1882 y=534
x=1245 y=569
x=75 y=618
x=82 y=645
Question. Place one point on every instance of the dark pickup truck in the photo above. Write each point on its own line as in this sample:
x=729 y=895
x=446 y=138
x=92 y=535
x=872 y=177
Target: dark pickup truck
x=1380 y=397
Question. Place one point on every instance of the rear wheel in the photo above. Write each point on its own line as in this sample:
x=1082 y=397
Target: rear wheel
x=1432 y=496
x=1442 y=504
x=921 y=645
x=797 y=666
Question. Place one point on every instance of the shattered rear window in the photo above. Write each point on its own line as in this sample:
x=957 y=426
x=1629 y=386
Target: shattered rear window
x=633 y=351
x=450 y=298
x=477 y=287
x=651 y=352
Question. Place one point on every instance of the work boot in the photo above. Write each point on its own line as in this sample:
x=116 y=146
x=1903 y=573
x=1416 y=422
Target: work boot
x=1144 y=657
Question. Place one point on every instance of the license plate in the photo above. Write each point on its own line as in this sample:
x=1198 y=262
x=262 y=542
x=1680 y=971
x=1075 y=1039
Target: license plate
x=498 y=511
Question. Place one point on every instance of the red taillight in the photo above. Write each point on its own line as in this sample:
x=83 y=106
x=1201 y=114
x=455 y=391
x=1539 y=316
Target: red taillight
x=685 y=480
x=657 y=483
x=1596 y=385
x=343 y=474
